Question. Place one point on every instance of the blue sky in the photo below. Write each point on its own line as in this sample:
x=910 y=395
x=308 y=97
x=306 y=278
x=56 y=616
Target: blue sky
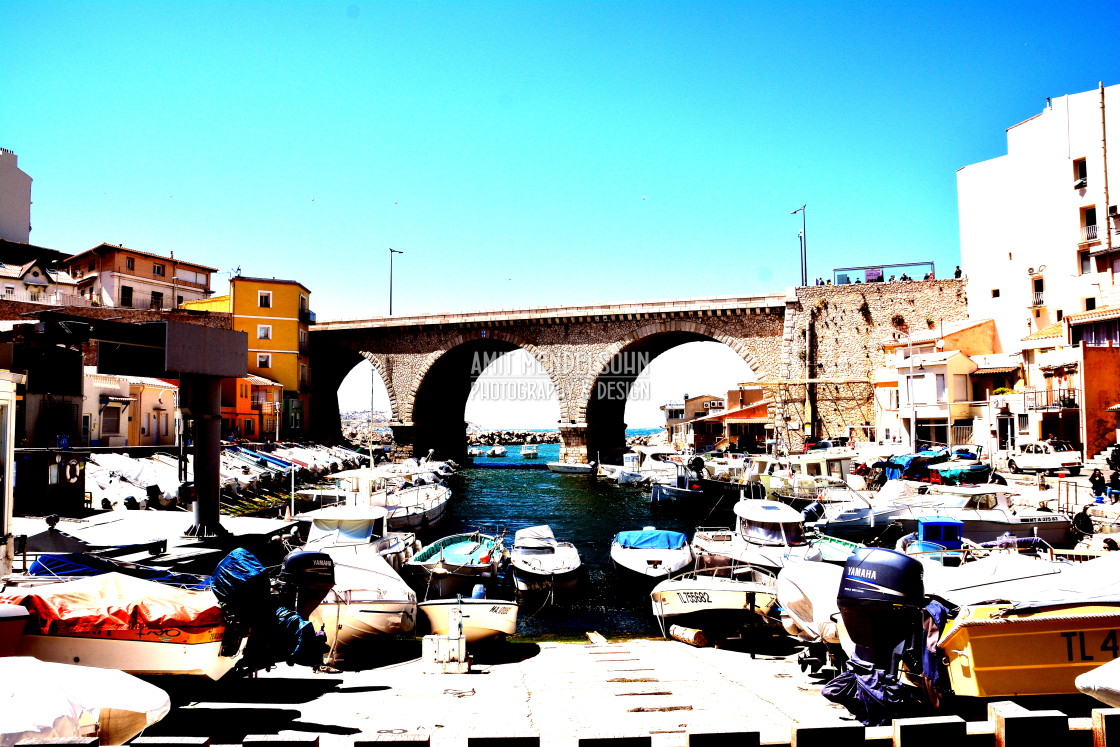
x=525 y=153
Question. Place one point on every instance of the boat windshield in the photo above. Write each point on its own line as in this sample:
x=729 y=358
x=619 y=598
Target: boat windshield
x=772 y=532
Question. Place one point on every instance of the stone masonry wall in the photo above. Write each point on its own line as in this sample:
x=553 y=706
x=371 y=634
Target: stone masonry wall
x=836 y=332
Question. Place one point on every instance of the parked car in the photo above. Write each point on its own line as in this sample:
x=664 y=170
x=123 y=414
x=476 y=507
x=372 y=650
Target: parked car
x=1045 y=456
x=839 y=442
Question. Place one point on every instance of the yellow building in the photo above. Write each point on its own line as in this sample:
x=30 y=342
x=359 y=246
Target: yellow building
x=276 y=315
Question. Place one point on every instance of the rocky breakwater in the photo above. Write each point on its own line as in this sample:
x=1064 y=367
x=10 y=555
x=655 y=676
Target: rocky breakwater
x=512 y=438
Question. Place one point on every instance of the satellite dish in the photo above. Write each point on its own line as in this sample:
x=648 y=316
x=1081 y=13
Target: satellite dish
x=1030 y=270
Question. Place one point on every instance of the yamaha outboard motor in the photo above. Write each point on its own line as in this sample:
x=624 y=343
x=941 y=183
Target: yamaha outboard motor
x=306 y=578
x=881 y=602
x=881 y=598
x=813 y=512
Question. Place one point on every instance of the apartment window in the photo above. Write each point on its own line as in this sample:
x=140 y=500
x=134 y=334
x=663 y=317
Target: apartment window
x=995 y=292
x=9 y=290
x=1084 y=263
x=1089 y=223
x=111 y=420
x=129 y=263
x=1024 y=422
x=126 y=296
x=178 y=300
x=159 y=270
x=1090 y=304
x=91 y=265
x=264 y=360
x=302 y=302
x=157 y=300
x=264 y=331
x=264 y=299
x=248 y=427
x=1059 y=315
x=1080 y=174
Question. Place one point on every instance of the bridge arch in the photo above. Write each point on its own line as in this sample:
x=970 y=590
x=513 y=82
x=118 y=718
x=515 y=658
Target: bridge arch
x=603 y=399
x=435 y=418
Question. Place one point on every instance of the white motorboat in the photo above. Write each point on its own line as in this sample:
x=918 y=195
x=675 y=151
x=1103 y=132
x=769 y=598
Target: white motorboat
x=482 y=618
x=799 y=479
x=649 y=464
x=496 y=451
x=540 y=562
x=768 y=535
x=410 y=507
x=705 y=600
x=569 y=468
x=654 y=553
x=529 y=451
x=114 y=621
x=455 y=564
x=476 y=451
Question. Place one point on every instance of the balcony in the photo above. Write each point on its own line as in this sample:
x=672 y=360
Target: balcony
x=1036 y=299
x=1053 y=399
x=1088 y=234
x=307 y=316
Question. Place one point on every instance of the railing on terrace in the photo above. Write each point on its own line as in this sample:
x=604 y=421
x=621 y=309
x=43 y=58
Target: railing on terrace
x=1088 y=233
x=52 y=299
x=1053 y=399
x=1036 y=299
x=960 y=434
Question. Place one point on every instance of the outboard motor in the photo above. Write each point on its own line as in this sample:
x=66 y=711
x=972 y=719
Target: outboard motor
x=306 y=578
x=813 y=512
x=478 y=592
x=881 y=598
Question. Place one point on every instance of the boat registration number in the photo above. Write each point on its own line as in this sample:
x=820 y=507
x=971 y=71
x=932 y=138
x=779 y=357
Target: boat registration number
x=500 y=610
x=694 y=597
x=1083 y=645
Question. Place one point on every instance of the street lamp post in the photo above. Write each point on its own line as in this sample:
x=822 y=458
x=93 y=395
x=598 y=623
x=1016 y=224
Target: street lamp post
x=804 y=241
x=392 y=251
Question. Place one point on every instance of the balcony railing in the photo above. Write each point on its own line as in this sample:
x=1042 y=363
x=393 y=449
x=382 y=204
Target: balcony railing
x=50 y=298
x=1088 y=233
x=1036 y=299
x=307 y=316
x=1053 y=399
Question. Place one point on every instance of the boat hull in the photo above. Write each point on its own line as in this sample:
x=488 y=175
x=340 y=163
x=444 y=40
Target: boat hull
x=707 y=601
x=482 y=618
x=1040 y=653
x=361 y=621
x=146 y=652
x=569 y=468
x=651 y=563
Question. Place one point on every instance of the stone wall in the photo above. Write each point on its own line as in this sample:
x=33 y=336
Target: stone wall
x=836 y=332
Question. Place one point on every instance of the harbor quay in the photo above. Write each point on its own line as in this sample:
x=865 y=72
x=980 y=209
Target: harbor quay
x=634 y=693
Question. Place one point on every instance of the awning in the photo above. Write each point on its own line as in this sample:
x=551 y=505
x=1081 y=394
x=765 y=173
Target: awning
x=1000 y=370
x=261 y=381
x=111 y=398
x=1114 y=408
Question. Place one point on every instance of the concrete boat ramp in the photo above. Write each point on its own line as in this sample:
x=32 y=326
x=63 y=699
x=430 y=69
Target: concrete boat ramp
x=559 y=692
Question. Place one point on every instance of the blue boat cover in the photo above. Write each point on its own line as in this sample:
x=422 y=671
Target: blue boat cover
x=82 y=564
x=652 y=539
x=241 y=581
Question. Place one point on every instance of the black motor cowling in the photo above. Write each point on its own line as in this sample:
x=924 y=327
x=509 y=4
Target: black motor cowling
x=880 y=599
x=306 y=577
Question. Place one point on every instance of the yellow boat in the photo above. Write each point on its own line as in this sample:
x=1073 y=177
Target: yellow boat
x=995 y=651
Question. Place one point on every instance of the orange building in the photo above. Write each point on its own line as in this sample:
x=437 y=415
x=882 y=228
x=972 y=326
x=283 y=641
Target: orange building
x=276 y=315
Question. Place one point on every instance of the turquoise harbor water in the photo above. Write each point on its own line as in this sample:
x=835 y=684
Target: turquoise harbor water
x=582 y=510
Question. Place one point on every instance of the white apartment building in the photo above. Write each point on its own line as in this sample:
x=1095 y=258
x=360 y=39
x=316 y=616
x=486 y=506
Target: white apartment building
x=1040 y=247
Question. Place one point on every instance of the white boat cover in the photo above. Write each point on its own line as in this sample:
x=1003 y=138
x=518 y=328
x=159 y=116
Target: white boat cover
x=1095 y=581
x=807 y=595
x=41 y=699
x=534 y=537
x=1000 y=576
x=1102 y=683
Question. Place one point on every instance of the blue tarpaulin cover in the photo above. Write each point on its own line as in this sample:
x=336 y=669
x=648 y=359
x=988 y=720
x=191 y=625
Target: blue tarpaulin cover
x=652 y=539
x=82 y=564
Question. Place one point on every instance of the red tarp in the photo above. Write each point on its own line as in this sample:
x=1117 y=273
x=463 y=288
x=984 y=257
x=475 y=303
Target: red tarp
x=114 y=601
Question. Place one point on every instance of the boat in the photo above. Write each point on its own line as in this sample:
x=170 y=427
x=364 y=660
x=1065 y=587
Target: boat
x=359 y=525
x=476 y=451
x=454 y=564
x=768 y=535
x=685 y=486
x=410 y=506
x=649 y=464
x=115 y=621
x=529 y=451
x=538 y=561
x=496 y=451
x=483 y=618
x=569 y=468
x=703 y=600
x=13 y=619
x=799 y=479
x=654 y=553
x=986 y=513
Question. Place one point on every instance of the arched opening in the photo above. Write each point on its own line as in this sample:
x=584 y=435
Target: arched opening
x=649 y=373
x=513 y=393
x=439 y=414
x=364 y=407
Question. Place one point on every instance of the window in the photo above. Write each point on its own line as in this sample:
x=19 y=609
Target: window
x=9 y=290
x=129 y=263
x=1084 y=263
x=159 y=270
x=1080 y=174
x=302 y=302
x=157 y=300
x=1090 y=304
x=1060 y=316
x=264 y=299
x=264 y=360
x=178 y=300
x=91 y=266
x=248 y=427
x=1089 y=223
x=1024 y=422
x=111 y=420
x=995 y=292
x=264 y=331
x=939 y=382
x=126 y=296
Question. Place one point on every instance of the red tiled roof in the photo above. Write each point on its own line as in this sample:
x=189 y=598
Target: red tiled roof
x=1096 y=315
x=1054 y=330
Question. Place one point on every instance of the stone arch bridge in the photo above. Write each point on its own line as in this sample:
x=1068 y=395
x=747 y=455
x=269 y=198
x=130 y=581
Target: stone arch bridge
x=591 y=354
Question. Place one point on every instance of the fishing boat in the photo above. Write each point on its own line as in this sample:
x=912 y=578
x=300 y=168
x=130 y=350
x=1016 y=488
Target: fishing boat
x=476 y=451
x=529 y=451
x=454 y=564
x=654 y=553
x=768 y=535
x=496 y=451
x=569 y=468
x=799 y=479
x=483 y=618
x=538 y=561
x=115 y=621
x=706 y=601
